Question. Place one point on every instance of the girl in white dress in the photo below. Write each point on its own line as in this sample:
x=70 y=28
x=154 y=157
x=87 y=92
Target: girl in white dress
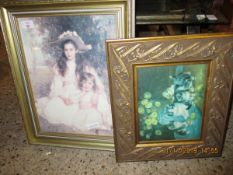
x=94 y=112
x=58 y=107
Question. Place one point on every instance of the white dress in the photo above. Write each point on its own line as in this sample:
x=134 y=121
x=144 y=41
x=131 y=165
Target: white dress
x=53 y=108
x=88 y=112
x=94 y=113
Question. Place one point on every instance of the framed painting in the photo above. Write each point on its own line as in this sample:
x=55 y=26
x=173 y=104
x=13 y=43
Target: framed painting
x=171 y=96
x=58 y=60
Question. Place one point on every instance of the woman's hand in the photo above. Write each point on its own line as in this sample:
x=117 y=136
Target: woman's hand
x=67 y=101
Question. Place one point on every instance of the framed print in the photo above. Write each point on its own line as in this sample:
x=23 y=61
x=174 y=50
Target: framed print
x=171 y=96
x=58 y=60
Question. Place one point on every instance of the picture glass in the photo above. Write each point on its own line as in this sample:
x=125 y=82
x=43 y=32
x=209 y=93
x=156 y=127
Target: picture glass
x=170 y=101
x=66 y=62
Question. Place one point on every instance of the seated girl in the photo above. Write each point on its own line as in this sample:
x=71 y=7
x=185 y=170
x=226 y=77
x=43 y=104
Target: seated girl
x=94 y=113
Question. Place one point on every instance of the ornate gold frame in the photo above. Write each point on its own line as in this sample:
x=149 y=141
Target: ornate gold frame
x=9 y=15
x=130 y=9
x=124 y=55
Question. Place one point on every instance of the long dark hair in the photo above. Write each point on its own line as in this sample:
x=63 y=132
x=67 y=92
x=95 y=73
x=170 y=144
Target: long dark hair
x=61 y=62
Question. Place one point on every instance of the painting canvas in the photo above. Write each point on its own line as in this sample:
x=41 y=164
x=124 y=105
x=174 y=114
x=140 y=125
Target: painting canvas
x=170 y=101
x=65 y=57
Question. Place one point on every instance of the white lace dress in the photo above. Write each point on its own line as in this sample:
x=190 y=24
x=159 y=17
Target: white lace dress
x=94 y=113
x=53 y=108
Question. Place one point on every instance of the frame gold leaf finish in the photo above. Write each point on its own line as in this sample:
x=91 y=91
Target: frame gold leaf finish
x=125 y=56
x=130 y=8
x=10 y=13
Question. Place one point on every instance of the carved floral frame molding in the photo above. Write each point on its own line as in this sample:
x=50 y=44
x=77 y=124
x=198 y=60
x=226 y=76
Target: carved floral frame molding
x=124 y=54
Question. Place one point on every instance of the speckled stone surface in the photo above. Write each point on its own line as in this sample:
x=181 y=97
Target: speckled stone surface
x=17 y=157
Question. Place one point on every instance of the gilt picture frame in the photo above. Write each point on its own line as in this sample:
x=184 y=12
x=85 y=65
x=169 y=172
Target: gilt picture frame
x=130 y=8
x=58 y=61
x=171 y=96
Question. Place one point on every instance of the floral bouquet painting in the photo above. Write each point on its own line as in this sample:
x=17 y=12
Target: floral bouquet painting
x=170 y=100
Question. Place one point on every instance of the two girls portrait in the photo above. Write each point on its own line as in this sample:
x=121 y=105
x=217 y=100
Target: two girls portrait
x=70 y=91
